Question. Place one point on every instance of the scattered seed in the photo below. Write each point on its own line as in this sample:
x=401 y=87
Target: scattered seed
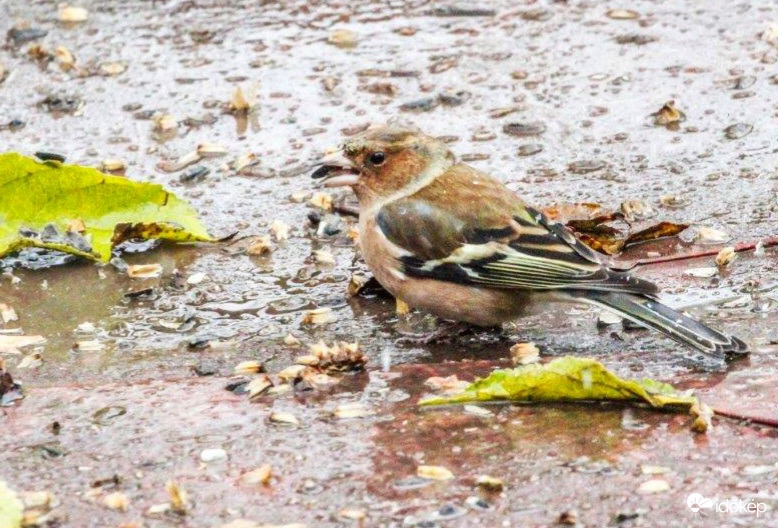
x=622 y=14
x=7 y=313
x=32 y=361
x=245 y=160
x=112 y=69
x=248 y=367
x=117 y=501
x=342 y=38
x=525 y=353
x=210 y=150
x=434 y=473
x=284 y=418
x=68 y=13
x=291 y=373
x=703 y=273
x=259 y=386
x=449 y=384
x=524 y=129
x=710 y=235
x=179 y=501
x=213 y=455
x=348 y=411
x=529 y=149
x=726 y=256
x=646 y=469
x=144 y=271
x=65 y=58
x=259 y=246
x=261 y=475
x=673 y=201
x=90 y=345
x=586 y=166
x=654 y=486
x=477 y=410
x=291 y=340
x=323 y=257
x=637 y=39
x=608 y=319
x=353 y=514
x=113 y=165
x=164 y=123
x=634 y=210
x=569 y=518
x=239 y=104
x=321 y=200
x=738 y=130
x=537 y=14
x=319 y=316
x=420 y=105
x=490 y=484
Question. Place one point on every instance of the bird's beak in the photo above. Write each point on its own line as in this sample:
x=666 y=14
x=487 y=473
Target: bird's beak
x=337 y=171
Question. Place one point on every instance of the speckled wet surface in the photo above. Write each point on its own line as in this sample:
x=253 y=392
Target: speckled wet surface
x=591 y=81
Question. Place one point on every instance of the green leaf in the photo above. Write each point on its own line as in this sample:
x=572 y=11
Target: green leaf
x=570 y=379
x=11 y=508
x=49 y=195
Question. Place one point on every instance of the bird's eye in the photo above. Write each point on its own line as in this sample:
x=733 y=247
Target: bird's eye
x=377 y=158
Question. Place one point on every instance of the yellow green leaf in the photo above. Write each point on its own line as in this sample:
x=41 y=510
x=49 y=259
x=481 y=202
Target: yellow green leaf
x=82 y=211
x=571 y=379
x=11 y=508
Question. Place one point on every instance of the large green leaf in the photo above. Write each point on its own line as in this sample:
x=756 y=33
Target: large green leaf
x=41 y=201
x=11 y=508
x=574 y=379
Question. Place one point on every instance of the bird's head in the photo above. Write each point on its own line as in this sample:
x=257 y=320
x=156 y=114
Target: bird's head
x=384 y=160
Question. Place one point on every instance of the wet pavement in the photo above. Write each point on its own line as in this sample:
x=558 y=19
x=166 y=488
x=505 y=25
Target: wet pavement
x=555 y=98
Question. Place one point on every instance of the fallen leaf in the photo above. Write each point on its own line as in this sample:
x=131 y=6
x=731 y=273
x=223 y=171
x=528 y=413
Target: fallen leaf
x=113 y=209
x=588 y=221
x=179 y=501
x=572 y=379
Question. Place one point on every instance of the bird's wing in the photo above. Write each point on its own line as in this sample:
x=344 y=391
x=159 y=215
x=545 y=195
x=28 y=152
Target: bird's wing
x=468 y=228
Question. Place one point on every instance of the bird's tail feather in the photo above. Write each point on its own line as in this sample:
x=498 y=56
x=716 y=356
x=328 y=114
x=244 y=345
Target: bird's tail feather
x=653 y=314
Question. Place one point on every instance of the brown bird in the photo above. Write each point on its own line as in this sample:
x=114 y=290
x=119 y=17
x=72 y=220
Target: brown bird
x=453 y=241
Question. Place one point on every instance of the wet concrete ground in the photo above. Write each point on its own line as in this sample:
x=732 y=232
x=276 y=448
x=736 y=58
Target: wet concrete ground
x=592 y=81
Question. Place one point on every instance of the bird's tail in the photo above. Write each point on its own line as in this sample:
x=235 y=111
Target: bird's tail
x=653 y=314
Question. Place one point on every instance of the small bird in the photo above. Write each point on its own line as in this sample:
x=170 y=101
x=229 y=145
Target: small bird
x=455 y=242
